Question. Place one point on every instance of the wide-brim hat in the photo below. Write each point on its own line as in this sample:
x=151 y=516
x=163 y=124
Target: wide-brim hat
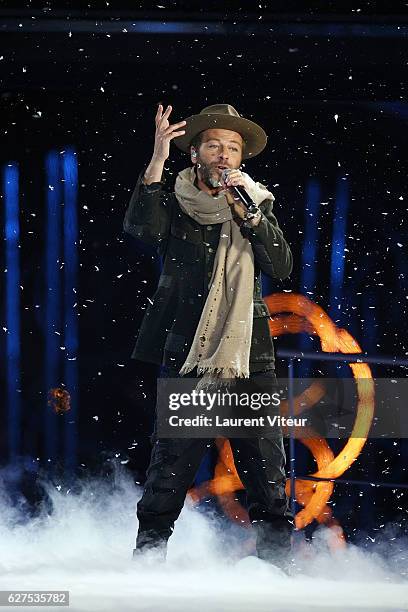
x=223 y=116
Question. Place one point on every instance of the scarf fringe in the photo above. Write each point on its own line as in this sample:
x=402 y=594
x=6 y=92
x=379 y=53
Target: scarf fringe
x=225 y=372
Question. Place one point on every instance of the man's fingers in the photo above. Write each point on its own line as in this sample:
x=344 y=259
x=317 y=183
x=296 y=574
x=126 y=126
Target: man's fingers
x=235 y=178
x=171 y=128
x=158 y=113
x=174 y=134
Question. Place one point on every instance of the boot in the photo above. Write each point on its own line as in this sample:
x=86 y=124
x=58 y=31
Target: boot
x=153 y=542
x=273 y=542
x=152 y=556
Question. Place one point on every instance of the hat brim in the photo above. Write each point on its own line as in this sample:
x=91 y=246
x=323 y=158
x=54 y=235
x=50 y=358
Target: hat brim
x=254 y=136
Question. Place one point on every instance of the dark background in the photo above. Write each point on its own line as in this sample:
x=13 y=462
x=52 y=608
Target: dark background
x=90 y=77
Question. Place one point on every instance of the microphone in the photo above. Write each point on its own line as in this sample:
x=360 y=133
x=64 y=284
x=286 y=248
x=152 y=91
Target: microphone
x=240 y=194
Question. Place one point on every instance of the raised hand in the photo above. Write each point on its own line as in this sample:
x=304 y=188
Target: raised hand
x=165 y=133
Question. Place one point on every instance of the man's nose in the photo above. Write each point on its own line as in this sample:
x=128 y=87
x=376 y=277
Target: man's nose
x=224 y=154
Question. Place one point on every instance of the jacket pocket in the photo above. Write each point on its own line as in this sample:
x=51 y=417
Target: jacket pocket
x=182 y=250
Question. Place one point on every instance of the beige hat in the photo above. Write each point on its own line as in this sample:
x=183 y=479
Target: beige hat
x=223 y=116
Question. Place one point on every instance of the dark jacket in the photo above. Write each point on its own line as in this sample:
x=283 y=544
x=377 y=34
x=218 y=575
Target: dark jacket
x=188 y=250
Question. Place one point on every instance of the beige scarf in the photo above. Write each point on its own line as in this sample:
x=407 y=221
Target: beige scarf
x=222 y=341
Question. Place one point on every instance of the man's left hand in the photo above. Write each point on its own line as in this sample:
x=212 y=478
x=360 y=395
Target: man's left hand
x=235 y=178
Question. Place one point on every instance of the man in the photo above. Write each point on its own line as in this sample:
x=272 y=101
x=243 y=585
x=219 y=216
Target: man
x=207 y=317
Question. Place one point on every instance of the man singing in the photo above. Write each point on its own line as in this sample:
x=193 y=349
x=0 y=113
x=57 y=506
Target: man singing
x=207 y=317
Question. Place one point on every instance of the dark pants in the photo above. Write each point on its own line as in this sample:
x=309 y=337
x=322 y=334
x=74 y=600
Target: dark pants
x=260 y=464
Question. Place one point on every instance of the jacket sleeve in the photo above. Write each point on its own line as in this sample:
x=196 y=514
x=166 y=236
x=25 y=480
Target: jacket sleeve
x=271 y=251
x=148 y=214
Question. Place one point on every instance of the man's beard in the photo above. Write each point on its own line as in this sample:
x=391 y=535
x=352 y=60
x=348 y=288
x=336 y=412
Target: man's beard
x=208 y=174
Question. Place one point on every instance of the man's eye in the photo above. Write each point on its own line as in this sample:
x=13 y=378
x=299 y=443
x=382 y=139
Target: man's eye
x=212 y=145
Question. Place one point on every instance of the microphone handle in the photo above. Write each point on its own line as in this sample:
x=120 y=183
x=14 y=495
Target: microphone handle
x=244 y=198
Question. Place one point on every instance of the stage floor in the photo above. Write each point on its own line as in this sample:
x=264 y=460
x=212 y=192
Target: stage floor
x=85 y=546
x=219 y=589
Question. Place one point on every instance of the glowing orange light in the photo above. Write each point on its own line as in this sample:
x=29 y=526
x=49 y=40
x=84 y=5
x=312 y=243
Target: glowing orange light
x=59 y=400
x=306 y=317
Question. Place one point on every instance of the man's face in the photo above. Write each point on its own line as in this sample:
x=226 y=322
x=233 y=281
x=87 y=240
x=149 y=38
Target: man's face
x=219 y=149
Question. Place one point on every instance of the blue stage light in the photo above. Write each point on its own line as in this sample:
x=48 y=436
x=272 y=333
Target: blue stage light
x=309 y=258
x=12 y=308
x=338 y=246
